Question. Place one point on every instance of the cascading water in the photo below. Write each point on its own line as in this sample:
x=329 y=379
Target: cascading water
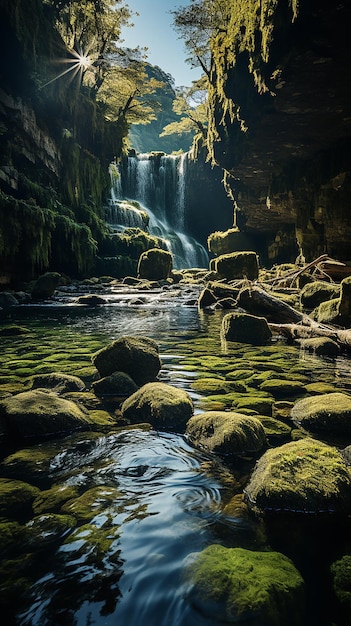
x=157 y=183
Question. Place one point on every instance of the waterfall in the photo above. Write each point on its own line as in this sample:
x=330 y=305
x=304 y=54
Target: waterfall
x=148 y=191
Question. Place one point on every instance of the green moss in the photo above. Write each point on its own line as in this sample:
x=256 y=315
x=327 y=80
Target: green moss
x=16 y=498
x=11 y=533
x=51 y=500
x=162 y=405
x=48 y=528
x=276 y=431
x=330 y=412
x=278 y=387
x=234 y=584
x=301 y=476
x=341 y=572
x=215 y=386
x=92 y=502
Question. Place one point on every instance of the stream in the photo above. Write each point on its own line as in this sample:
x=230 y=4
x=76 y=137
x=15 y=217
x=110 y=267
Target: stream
x=153 y=500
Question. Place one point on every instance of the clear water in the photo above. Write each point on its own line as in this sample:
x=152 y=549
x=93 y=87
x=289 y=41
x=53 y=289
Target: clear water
x=126 y=565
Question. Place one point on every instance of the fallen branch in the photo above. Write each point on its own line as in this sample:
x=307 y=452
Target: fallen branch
x=259 y=302
x=310 y=329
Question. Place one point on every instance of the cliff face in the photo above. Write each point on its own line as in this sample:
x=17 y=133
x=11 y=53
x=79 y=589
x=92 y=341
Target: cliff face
x=291 y=169
x=54 y=152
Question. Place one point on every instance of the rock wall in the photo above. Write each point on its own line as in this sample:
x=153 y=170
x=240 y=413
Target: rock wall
x=290 y=170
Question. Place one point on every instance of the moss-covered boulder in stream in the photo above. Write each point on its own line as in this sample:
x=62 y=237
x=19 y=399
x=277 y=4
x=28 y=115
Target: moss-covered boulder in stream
x=237 y=265
x=235 y=585
x=328 y=412
x=163 y=406
x=305 y=476
x=117 y=384
x=227 y=433
x=44 y=287
x=16 y=498
x=312 y=294
x=155 y=264
x=136 y=356
x=245 y=328
x=337 y=310
x=41 y=413
x=58 y=381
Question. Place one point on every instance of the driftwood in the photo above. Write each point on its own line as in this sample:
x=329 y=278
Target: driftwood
x=259 y=302
x=309 y=329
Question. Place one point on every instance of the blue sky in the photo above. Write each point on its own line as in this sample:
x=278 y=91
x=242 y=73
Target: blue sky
x=153 y=28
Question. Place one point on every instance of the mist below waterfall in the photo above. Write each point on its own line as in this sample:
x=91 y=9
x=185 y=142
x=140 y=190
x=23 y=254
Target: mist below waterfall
x=148 y=192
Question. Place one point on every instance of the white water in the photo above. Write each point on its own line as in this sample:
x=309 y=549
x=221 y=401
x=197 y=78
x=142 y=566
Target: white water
x=158 y=184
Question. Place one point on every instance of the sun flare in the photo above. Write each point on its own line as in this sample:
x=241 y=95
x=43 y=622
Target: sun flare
x=78 y=64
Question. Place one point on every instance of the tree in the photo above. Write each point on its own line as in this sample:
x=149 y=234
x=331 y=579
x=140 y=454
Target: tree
x=191 y=105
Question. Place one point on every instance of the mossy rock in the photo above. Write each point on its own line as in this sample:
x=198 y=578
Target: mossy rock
x=117 y=384
x=341 y=573
x=163 y=406
x=16 y=498
x=260 y=402
x=39 y=413
x=319 y=388
x=91 y=503
x=235 y=585
x=276 y=431
x=51 y=500
x=90 y=299
x=329 y=412
x=322 y=346
x=305 y=476
x=155 y=264
x=212 y=386
x=231 y=240
x=226 y=433
x=245 y=328
x=58 y=381
x=44 y=530
x=279 y=387
x=45 y=285
x=136 y=356
x=30 y=464
x=240 y=374
x=206 y=298
x=237 y=265
x=101 y=420
x=11 y=534
x=312 y=294
x=13 y=331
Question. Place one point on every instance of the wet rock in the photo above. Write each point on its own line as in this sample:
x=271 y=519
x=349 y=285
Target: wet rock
x=237 y=265
x=7 y=300
x=337 y=310
x=231 y=240
x=206 y=298
x=136 y=356
x=155 y=264
x=16 y=498
x=58 y=381
x=276 y=431
x=44 y=530
x=341 y=573
x=163 y=406
x=280 y=387
x=328 y=412
x=117 y=384
x=45 y=285
x=227 y=432
x=312 y=294
x=39 y=413
x=91 y=503
x=322 y=346
x=90 y=300
x=51 y=500
x=235 y=585
x=305 y=476
x=245 y=328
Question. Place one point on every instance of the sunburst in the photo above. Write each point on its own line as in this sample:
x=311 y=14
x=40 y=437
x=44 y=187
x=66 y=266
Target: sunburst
x=78 y=65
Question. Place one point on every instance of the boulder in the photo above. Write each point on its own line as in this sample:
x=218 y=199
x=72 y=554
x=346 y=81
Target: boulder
x=337 y=310
x=117 y=384
x=245 y=328
x=328 y=412
x=341 y=573
x=235 y=585
x=237 y=265
x=58 y=381
x=206 y=298
x=45 y=285
x=280 y=387
x=163 y=406
x=136 y=356
x=39 y=413
x=90 y=299
x=322 y=346
x=227 y=432
x=231 y=240
x=312 y=294
x=7 y=300
x=16 y=498
x=304 y=476
x=155 y=264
